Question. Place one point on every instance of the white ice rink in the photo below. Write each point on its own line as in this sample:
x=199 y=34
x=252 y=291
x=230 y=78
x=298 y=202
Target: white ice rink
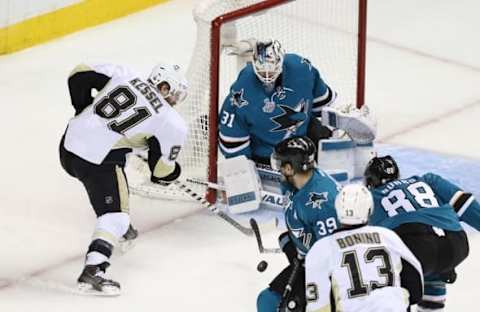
x=423 y=78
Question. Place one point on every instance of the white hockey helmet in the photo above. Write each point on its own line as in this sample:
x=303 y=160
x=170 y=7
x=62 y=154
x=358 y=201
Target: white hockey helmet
x=171 y=75
x=354 y=204
x=268 y=60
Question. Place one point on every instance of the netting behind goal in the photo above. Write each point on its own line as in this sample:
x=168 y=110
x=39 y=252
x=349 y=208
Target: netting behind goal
x=331 y=33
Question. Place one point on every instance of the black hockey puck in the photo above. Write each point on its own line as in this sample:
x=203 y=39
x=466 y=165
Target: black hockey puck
x=262 y=266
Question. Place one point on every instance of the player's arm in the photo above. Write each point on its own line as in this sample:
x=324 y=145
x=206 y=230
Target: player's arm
x=464 y=203
x=317 y=278
x=287 y=246
x=323 y=95
x=234 y=137
x=81 y=81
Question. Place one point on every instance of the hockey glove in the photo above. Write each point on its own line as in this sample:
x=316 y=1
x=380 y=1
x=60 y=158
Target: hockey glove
x=165 y=181
x=287 y=246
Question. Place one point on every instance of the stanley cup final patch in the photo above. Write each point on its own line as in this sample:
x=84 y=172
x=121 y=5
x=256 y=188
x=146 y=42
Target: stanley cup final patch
x=269 y=106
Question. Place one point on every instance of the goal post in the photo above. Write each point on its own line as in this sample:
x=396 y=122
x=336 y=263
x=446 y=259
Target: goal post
x=330 y=33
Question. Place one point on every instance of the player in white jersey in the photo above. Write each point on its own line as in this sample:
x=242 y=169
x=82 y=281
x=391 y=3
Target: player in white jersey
x=127 y=112
x=361 y=268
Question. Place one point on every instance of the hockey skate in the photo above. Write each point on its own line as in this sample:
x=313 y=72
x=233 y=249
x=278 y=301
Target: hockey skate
x=92 y=281
x=127 y=241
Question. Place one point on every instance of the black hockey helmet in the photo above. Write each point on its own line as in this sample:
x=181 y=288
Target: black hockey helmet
x=298 y=151
x=381 y=170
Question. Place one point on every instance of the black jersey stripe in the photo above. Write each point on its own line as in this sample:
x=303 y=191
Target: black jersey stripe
x=461 y=201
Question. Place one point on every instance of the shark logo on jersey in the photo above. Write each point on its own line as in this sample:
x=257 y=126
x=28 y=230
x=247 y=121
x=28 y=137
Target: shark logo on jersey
x=307 y=61
x=237 y=99
x=291 y=118
x=316 y=199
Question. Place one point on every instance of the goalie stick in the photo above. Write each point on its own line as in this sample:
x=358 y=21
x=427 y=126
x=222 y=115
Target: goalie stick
x=256 y=231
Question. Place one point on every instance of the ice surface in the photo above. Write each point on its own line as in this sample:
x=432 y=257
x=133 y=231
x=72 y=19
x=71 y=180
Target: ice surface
x=423 y=73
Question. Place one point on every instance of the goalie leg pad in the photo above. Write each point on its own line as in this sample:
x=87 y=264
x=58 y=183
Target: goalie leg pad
x=337 y=158
x=242 y=184
x=363 y=154
x=344 y=159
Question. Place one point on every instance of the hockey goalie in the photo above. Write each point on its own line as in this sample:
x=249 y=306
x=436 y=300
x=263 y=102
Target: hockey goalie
x=278 y=95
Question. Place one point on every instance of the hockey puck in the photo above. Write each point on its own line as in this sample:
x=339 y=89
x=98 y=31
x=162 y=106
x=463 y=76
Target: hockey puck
x=262 y=266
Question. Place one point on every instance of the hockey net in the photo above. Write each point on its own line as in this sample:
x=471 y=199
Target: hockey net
x=331 y=33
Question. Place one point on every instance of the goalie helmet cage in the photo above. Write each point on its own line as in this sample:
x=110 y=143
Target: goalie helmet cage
x=330 y=33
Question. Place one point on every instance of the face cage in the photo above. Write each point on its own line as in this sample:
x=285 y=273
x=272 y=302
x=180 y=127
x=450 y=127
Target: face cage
x=275 y=163
x=267 y=76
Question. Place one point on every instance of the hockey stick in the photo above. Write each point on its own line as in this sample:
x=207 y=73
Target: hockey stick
x=256 y=231
x=213 y=208
x=284 y=304
x=185 y=189
x=207 y=184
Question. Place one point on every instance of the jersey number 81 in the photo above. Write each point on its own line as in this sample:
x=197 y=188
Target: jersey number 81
x=117 y=102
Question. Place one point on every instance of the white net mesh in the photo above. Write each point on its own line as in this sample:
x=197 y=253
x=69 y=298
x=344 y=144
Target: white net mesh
x=325 y=31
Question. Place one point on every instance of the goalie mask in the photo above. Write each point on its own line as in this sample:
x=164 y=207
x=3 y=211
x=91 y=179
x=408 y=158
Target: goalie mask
x=170 y=82
x=354 y=204
x=381 y=170
x=268 y=61
x=298 y=151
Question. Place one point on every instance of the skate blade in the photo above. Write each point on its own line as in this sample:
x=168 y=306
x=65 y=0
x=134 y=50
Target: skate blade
x=107 y=291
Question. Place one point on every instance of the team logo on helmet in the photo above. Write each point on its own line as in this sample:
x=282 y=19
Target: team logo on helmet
x=237 y=99
x=316 y=199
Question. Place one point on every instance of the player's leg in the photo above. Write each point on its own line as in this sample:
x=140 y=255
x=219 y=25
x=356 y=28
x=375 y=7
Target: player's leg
x=434 y=295
x=107 y=190
x=423 y=242
x=270 y=298
x=453 y=250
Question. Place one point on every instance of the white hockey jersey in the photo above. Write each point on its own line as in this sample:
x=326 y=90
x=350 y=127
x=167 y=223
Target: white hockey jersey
x=125 y=113
x=361 y=267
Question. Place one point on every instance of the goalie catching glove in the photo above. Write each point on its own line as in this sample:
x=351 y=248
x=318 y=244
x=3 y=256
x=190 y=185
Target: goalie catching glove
x=359 y=123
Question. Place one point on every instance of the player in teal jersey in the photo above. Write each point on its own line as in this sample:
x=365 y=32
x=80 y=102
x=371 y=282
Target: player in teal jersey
x=425 y=211
x=309 y=215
